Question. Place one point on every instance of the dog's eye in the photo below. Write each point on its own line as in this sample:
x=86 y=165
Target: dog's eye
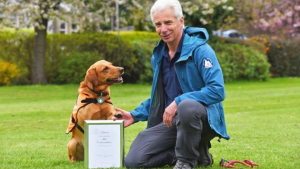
x=105 y=69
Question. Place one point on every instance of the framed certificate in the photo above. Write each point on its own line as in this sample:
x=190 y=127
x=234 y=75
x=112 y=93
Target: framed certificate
x=104 y=143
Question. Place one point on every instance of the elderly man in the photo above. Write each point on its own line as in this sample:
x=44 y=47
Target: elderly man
x=185 y=109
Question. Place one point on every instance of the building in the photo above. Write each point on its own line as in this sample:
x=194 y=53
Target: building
x=21 y=20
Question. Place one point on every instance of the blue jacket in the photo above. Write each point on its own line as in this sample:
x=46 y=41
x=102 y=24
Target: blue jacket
x=199 y=75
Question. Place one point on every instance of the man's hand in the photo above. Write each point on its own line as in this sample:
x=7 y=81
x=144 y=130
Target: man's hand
x=126 y=116
x=169 y=114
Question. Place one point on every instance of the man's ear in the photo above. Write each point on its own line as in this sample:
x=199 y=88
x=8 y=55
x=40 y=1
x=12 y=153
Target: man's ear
x=91 y=77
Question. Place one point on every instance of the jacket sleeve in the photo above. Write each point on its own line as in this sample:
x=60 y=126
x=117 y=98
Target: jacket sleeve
x=212 y=90
x=142 y=112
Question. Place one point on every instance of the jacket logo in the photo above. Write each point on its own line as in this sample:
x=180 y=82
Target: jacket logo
x=207 y=63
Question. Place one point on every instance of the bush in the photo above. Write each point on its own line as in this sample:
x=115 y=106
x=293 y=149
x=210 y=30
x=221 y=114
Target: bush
x=17 y=48
x=69 y=56
x=251 y=43
x=144 y=43
x=241 y=62
x=284 y=57
x=72 y=67
x=8 y=72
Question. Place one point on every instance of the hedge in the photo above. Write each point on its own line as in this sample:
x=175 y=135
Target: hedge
x=69 y=56
x=251 y=65
x=240 y=62
x=284 y=57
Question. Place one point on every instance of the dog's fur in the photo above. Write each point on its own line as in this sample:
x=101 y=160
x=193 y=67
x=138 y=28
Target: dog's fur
x=98 y=77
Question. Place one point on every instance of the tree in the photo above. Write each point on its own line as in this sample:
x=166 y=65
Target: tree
x=210 y=14
x=280 y=18
x=91 y=14
x=37 y=13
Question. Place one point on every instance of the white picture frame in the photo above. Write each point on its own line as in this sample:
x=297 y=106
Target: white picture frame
x=104 y=143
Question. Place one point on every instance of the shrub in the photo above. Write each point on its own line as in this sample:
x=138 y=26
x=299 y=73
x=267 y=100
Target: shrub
x=144 y=43
x=72 y=67
x=284 y=57
x=252 y=43
x=69 y=56
x=8 y=72
x=241 y=62
x=17 y=48
x=85 y=49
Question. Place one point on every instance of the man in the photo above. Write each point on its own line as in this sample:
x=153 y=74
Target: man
x=185 y=109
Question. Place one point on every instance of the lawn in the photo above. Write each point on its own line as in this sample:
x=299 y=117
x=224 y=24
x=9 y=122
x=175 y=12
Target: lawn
x=263 y=120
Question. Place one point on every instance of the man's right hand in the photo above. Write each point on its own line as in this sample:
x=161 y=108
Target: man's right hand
x=126 y=116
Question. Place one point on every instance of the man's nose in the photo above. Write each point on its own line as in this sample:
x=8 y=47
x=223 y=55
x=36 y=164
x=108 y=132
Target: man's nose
x=164 y=28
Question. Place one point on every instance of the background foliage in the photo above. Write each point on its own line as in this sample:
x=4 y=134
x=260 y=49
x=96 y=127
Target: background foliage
x=69 y=56
x=284 y=57
x=276 y=19
x=8 y=71
x=241 y=62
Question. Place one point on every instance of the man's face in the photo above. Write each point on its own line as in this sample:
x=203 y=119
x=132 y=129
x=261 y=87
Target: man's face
x=167 y=26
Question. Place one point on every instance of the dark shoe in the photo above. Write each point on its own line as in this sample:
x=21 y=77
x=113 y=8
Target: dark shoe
x=205 y=159
x=182 y=165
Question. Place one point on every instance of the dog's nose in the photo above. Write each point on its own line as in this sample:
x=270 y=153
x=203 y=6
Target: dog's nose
x=121 y=70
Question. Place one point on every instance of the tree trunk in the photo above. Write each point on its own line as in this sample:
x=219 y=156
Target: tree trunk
x=40 y=39
x=38 y=66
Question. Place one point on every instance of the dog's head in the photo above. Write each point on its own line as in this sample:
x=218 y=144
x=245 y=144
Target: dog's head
x=103 y=73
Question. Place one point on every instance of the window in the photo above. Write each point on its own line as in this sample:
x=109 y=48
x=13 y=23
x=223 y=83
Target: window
x=74 y=28
x=63 y=27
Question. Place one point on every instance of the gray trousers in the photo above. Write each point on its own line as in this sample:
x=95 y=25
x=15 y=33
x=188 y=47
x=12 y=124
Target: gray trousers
x=161 y=145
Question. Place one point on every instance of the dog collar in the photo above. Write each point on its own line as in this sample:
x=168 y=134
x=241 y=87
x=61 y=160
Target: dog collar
x=93 y=100
x=98 y=93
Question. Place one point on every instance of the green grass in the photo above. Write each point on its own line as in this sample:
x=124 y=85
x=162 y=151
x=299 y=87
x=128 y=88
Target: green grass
x=263 y=120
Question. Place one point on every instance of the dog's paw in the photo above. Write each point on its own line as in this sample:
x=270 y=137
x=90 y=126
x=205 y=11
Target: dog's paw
x=119 y=115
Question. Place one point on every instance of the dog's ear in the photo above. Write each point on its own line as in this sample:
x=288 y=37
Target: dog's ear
x=91 y=77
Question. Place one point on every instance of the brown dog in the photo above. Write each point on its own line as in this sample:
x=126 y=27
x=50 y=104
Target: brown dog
x=93 y=103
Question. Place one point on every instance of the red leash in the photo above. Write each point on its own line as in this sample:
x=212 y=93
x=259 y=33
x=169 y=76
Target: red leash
x=229 y=164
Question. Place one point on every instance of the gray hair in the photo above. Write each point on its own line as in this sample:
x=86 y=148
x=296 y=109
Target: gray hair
x=161 y=5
